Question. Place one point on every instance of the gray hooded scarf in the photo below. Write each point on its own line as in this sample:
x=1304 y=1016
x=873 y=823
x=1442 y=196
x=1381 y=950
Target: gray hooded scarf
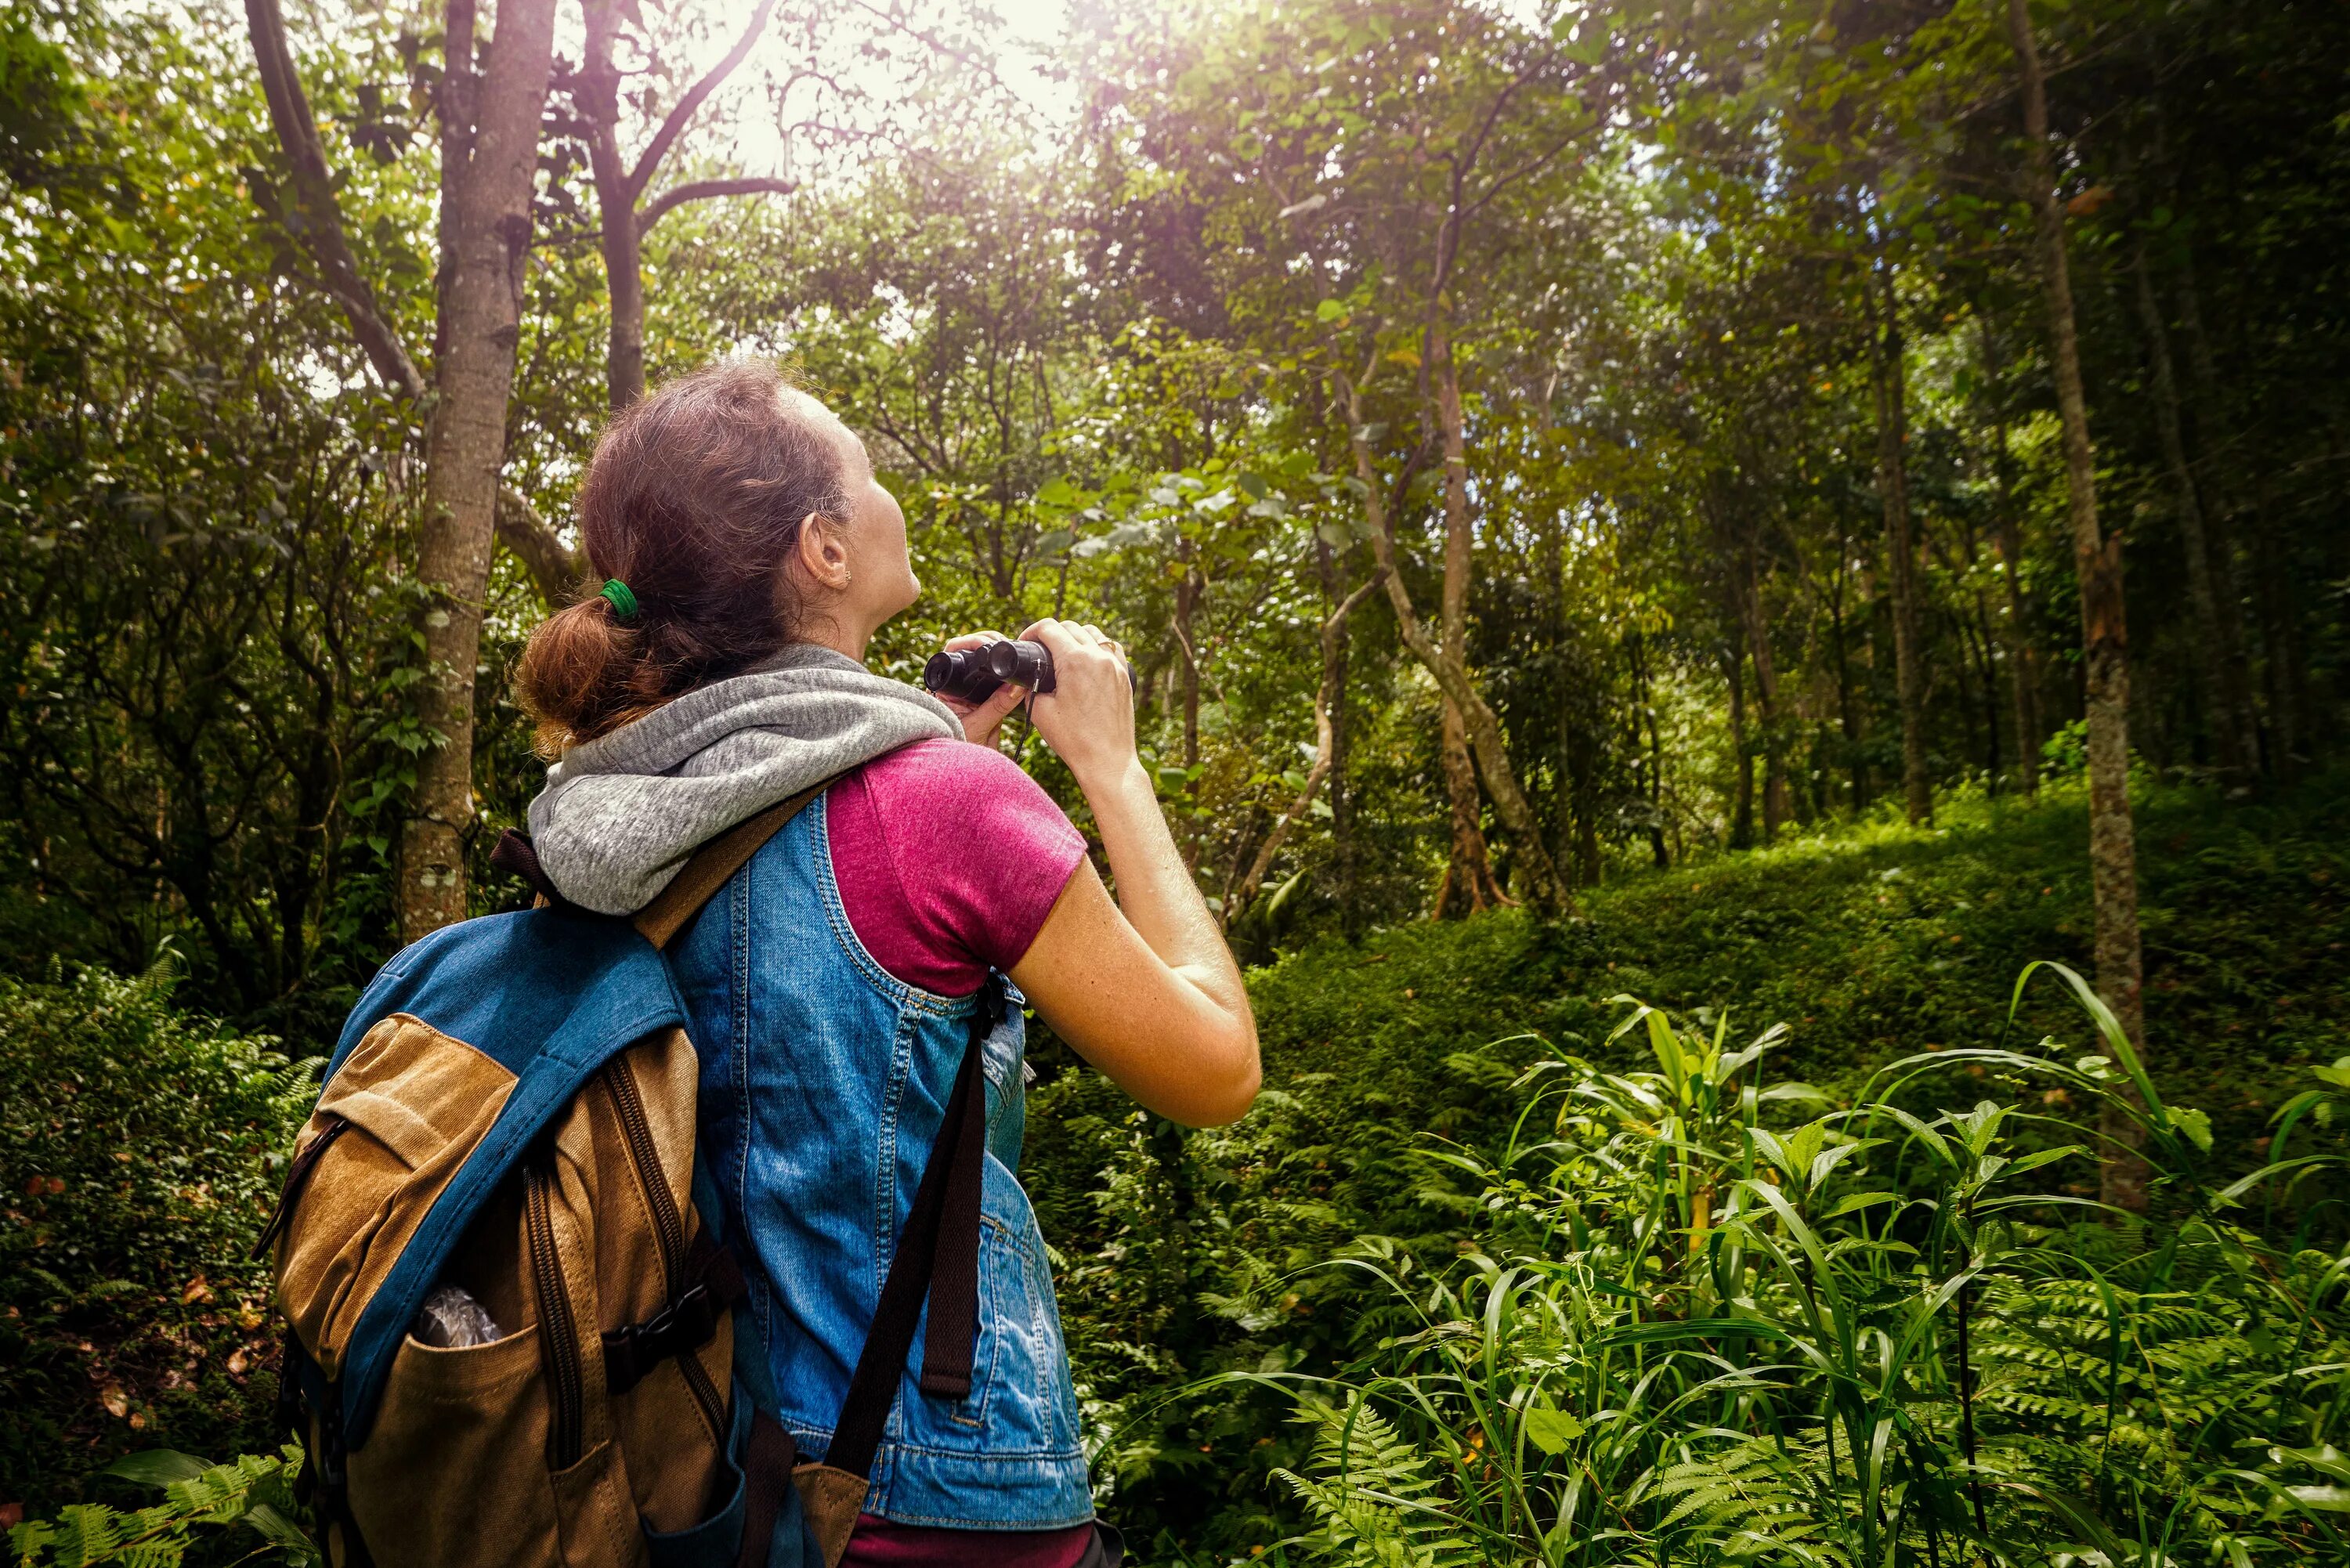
x=621 y=815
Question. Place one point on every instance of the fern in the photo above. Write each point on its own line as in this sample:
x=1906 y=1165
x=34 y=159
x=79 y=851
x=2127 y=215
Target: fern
x=1376 y=1496
x=1747 y=1499
x=254 y=1492
x=1654 y=1356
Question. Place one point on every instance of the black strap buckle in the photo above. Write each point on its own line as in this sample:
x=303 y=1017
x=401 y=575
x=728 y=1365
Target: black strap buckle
x=515 y=855
x=679 y=1328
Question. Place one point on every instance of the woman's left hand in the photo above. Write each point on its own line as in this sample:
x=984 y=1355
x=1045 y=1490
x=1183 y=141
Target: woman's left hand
x=980 y=720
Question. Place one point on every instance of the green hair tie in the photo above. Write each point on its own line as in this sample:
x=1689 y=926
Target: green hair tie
x=616 y=593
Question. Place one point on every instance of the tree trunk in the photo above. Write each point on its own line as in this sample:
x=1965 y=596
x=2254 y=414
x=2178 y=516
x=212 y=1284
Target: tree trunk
x=1342 y=798
x=1468 y=884
x=599 y=97
x=1757 y=624
x=488 y=223
x=1847 y=711
x=1891 y=378
x=623 y=215
x=1187 y=692
x=2098 y=560
x=312 y=199
x=1326 y=698
x=554 y=568
x=2219 y=655
x=1645 y=691
x=1583 y=779
x=1742 y=820
x=1186 y=600
x=1545 y=891
x=2281 y=630
x=2023 y=667
x=1986 y=641
x=2224 y=499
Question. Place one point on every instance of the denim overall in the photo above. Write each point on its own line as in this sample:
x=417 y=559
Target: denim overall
x=824 y=1080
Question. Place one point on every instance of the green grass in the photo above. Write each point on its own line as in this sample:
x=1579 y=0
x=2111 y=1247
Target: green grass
x=1880 y=939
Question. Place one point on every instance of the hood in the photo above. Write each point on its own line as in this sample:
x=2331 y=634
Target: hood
x=621 y=815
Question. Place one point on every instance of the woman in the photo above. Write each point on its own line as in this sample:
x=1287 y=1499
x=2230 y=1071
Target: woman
x=830 y=986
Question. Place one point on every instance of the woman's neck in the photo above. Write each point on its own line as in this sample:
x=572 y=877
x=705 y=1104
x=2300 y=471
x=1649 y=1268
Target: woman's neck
x=830 y=632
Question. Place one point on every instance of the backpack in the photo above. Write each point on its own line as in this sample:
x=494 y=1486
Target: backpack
x=511 y=1110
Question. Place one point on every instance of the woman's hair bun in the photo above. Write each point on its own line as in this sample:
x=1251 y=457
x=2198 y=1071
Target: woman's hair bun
x=583 y=666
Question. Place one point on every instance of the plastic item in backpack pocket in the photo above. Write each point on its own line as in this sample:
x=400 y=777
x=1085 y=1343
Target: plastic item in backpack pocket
x=452 y=1319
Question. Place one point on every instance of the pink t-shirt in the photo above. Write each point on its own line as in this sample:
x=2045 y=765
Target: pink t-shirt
x=948 y=857
x=879 y=1543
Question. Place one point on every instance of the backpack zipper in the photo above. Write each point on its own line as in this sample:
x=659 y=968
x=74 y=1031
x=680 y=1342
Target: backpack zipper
x=558 y=1329
x=297 y=1177
x=669 y=1226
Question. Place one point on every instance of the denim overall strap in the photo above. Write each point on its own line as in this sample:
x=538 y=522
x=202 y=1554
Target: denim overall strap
x=714 y=866
x=938 y=1257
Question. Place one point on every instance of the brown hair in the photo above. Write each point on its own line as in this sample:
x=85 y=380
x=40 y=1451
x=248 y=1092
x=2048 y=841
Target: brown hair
x=694 y=499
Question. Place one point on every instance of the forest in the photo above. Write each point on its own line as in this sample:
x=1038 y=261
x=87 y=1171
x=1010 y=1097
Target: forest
x=1739 y=608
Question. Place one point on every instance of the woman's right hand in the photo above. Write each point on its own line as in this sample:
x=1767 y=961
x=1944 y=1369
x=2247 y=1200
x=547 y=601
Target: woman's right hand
x=1089 y=716
x=980 y=719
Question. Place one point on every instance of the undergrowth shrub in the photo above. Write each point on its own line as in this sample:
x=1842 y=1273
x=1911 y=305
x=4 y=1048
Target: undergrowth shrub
x=139 y=1151
x=1697 y=1333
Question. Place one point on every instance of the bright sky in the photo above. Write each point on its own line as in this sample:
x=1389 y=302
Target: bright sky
x=1021 y=40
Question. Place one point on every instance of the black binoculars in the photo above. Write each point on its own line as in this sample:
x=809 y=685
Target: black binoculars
x=973 y=674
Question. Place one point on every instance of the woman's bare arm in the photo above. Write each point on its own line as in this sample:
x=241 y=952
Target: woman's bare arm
x=1144 y=989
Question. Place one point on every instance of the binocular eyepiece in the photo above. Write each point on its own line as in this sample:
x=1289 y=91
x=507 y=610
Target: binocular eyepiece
x=973 y=674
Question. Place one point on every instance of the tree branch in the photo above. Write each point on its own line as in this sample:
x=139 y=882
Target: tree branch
x=673 y=126
x=554 y=567
x=936 y=44
x=313 y=199
x=705 y=190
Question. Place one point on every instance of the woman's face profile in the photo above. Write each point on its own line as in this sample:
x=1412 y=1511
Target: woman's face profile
x=879 y=578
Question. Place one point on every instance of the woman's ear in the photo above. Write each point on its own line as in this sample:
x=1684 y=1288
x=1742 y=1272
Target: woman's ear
x=823 y=552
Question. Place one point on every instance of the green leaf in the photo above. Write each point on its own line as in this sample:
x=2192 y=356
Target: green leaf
x=1330 y=310
x=2324 y=1458
x=1550 y=1429
x=1853 y=1203
x=1926 y=1136
x=158 y=1467
x=279 y=1530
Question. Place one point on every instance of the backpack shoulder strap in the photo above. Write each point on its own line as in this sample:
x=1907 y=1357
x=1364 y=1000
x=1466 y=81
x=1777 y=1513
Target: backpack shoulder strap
x=714 y=864
x=937 y=1261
